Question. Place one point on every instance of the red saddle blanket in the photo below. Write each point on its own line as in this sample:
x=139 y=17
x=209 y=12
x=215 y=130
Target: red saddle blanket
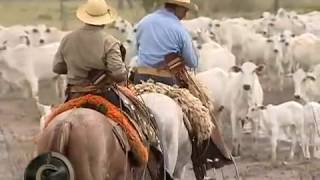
x=111 y=111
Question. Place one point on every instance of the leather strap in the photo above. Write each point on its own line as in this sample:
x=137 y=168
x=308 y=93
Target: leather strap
x=81 y=88
x=154 y=72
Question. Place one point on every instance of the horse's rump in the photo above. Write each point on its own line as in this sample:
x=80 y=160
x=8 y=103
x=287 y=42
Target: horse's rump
x=98 y=103
x=88 y=141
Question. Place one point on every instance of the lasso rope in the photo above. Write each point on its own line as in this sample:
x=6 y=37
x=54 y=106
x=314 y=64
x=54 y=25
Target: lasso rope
x=197 y=114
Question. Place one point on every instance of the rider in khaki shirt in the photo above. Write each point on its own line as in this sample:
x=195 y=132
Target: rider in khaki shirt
x=88 y=50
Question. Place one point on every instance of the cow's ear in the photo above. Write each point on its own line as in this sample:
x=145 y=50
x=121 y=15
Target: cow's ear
x=269 y=40
x=262 y=107
x=260 y=69
x=235 y=69
x=48 y=30
x=35 y=30
x=311 y=77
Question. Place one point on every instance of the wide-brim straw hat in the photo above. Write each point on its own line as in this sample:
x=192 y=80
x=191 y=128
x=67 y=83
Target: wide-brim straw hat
x=96 y=12
x=184 y=3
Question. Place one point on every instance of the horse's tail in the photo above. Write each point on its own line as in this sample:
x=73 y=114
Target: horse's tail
x=62 y=136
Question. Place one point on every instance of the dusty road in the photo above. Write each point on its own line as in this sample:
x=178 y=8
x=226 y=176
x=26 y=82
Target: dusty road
x=19 y=122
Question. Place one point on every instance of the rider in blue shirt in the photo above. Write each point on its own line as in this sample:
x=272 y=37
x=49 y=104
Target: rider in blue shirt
x=159 y=34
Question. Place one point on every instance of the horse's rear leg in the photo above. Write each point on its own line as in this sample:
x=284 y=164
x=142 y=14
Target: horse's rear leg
x=91 y=148
x=184 y=153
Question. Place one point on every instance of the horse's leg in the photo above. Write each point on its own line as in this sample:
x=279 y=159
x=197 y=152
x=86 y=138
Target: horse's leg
x=170 y=139
x=168 y=116
x=184 y=153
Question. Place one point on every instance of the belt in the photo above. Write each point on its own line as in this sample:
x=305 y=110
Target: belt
x=154 y=72
x=81 y=88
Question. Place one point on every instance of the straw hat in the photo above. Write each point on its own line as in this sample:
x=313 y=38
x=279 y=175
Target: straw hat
x=96 y=12
x=184 y=3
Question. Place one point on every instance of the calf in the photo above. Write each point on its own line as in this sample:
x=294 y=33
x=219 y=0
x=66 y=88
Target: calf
x=277 y=118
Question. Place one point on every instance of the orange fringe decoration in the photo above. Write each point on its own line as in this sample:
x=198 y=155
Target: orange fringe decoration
x=114 y=114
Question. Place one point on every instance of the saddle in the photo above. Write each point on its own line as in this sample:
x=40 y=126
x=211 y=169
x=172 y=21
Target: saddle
x=137 y=113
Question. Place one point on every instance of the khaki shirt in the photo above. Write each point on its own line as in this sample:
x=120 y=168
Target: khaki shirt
x=87 y=49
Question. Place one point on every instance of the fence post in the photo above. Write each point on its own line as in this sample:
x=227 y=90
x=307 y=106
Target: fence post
x=63 y=19
x=276 y=5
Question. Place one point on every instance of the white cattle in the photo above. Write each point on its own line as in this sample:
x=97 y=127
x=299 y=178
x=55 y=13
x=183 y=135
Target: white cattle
x=53 y=34
x=215 y=80
x=302 y=51
x=285 y=21
x=230 y=35
x=13 y=36
x=192 y=25
x=306 y=86
x=286 y=117
x=236 y=91
x=268 y=51
x=122 y=25
x=29 y=63
x=37 y=34
x=30 y=35
x=212 y=55
x=312 y=127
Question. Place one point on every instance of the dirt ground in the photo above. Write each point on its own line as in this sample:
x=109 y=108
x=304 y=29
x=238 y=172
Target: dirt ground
x=19 y=120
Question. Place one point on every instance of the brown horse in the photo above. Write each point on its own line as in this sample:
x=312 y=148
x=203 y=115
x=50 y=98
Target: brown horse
x=88 y=139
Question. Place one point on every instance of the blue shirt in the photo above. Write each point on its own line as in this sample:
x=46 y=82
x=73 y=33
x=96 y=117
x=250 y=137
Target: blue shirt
x=159 y=34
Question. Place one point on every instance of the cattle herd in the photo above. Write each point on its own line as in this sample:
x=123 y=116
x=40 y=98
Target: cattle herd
x=236 y=56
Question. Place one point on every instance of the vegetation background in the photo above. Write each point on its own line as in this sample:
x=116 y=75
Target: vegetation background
x=61 y=13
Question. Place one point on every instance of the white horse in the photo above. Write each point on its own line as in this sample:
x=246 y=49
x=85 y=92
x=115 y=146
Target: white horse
x=173 y=133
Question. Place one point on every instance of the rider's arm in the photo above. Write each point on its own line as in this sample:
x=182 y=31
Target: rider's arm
x=113 y=60
x=188 y=52
x=59 y=65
